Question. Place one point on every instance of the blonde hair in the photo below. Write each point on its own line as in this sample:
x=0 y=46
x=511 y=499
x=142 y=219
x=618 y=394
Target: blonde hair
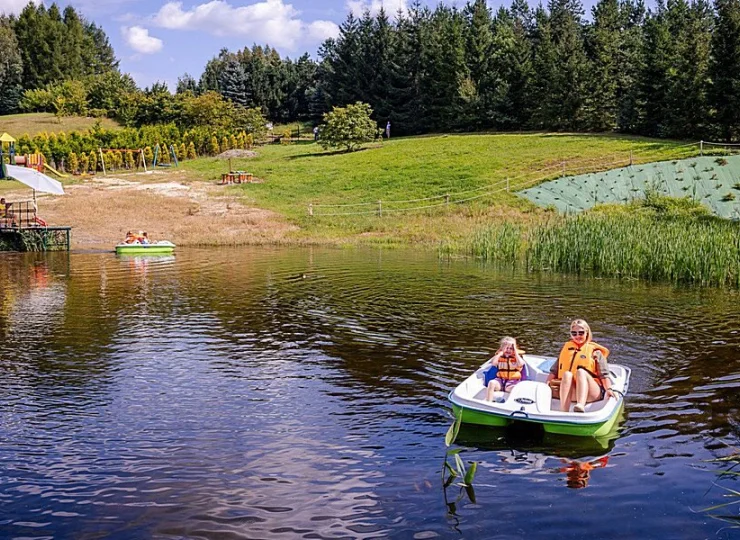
x=585 y=326
x=507 y=340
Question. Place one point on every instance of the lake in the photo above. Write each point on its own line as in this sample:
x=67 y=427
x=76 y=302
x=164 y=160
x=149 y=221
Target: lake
x=302 y=393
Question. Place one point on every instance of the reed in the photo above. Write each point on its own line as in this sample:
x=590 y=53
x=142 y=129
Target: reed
x=634 y=242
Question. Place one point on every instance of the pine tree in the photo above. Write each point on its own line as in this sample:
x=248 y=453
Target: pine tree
x=631 y=62
x=571 y=67
x=512 y=67
x=725 y=68
x=478 y=59
x=233 y=82
x=688 y=101
x=11 y=69
x=603 y=45
x=655 y=79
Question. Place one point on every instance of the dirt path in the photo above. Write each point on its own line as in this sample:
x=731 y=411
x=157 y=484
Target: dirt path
x=165 y=204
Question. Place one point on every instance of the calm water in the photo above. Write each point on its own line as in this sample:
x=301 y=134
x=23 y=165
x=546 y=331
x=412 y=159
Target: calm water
x=285 y=393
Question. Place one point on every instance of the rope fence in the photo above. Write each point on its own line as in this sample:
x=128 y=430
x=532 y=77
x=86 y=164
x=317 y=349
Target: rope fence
x=521 y=181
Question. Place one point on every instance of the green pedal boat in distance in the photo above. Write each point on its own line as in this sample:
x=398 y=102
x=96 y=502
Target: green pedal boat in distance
x=158 y=248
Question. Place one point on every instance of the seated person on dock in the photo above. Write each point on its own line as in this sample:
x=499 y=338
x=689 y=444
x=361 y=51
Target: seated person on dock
x=5 y=209
x=509 y=364
x=581 y=369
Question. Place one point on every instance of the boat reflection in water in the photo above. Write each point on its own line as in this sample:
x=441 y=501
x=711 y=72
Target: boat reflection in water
x=533 y=454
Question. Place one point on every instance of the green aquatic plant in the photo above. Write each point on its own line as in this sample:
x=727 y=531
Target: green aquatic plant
x=729 y=463
x=729 y=197
x=459 y=472
x=721 y=161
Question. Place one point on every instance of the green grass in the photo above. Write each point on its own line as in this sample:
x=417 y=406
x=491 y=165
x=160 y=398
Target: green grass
x=655 y=239
x=34 y=123
x=404 y=169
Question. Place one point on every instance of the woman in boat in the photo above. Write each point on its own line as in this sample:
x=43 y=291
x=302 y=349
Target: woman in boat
x=509 y=364
x=581 y=369
x=130 y=238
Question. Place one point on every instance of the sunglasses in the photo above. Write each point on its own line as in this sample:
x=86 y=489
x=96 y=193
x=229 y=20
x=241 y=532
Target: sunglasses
x=578 y=333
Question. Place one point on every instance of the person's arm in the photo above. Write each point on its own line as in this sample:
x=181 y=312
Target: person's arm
x=495 y=358
x=603 y=368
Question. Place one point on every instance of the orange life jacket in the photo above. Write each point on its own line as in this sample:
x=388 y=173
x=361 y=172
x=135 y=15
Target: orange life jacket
x=508 y=370
x=572 y=358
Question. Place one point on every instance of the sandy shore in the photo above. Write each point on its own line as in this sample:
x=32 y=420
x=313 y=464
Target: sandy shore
x=166 y=204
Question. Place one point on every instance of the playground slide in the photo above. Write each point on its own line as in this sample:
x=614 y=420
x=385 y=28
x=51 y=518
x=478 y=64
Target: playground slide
x=52 y=169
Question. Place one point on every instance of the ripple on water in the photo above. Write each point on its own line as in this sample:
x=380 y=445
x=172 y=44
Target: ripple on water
x=261 y=393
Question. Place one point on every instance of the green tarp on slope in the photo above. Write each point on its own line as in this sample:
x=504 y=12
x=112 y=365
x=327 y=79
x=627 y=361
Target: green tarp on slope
x=705 y=179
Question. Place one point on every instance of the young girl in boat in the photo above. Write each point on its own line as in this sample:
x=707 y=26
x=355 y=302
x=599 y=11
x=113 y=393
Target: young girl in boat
x=509 y=363
x=581 y=369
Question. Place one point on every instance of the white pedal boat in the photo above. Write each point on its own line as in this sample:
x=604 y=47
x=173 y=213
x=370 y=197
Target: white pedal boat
x=531 y=401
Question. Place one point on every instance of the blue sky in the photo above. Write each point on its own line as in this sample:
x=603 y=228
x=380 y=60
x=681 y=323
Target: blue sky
x=159 y=40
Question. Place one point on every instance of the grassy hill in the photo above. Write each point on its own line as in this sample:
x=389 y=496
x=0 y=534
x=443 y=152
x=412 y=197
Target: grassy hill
x=33 y=123
x=471 y=168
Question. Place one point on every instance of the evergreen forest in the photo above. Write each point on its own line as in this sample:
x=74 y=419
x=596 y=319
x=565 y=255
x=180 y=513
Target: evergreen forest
x=671 y=70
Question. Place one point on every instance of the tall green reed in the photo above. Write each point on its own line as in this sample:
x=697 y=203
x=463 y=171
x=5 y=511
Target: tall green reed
x=633 y=243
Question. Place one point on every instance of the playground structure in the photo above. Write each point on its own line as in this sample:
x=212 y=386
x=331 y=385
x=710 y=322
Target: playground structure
x=31 y=161
x=156 y=161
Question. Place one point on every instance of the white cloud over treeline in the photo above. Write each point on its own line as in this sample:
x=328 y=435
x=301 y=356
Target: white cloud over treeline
x=269 y=21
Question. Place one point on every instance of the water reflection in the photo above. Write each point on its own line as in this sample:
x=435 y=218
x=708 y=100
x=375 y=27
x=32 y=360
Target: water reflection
x=261 y=393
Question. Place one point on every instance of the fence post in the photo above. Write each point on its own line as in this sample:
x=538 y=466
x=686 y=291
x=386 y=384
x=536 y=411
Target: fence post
x=102 y=160
x=701 y=148
x=447 y=198
x=310 y=209
x=630 y=157
x=380 y=208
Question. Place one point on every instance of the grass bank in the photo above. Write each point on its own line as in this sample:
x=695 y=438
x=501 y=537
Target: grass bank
x=411 y=176
x=655 y=239
x=35 y=123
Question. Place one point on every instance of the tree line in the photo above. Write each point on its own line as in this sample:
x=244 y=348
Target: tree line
x=669 y=71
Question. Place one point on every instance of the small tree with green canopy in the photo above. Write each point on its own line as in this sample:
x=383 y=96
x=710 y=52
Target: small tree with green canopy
x=347 y=127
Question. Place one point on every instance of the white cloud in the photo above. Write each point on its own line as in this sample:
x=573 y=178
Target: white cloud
x=269 y=21
x=14 y=7
x=138 y=39
x=358 y=7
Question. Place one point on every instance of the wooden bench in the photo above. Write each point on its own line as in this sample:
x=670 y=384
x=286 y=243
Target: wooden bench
x=236 y=177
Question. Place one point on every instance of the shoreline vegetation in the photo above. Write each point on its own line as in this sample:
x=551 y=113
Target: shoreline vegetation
x=656 y=238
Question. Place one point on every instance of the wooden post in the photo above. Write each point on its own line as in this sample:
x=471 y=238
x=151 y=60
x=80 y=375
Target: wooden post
x=230 y=169
x=102 y=161
x=310 y=209
x=701 y=148
x=447 y=198
x=380 y=208
x=630 y=157
x=143 y=159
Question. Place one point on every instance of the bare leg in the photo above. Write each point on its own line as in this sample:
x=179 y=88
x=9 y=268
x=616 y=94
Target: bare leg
x=493 y=386
x=566 y=384
x=587 y=389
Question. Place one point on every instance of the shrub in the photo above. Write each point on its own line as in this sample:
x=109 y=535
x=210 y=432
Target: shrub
x=347 y=127
x=72 y=163
x=84 y=164
x=191 y=151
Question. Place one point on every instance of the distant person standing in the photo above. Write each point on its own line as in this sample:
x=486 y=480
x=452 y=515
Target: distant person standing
x=316 y=133
x=388 y=130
